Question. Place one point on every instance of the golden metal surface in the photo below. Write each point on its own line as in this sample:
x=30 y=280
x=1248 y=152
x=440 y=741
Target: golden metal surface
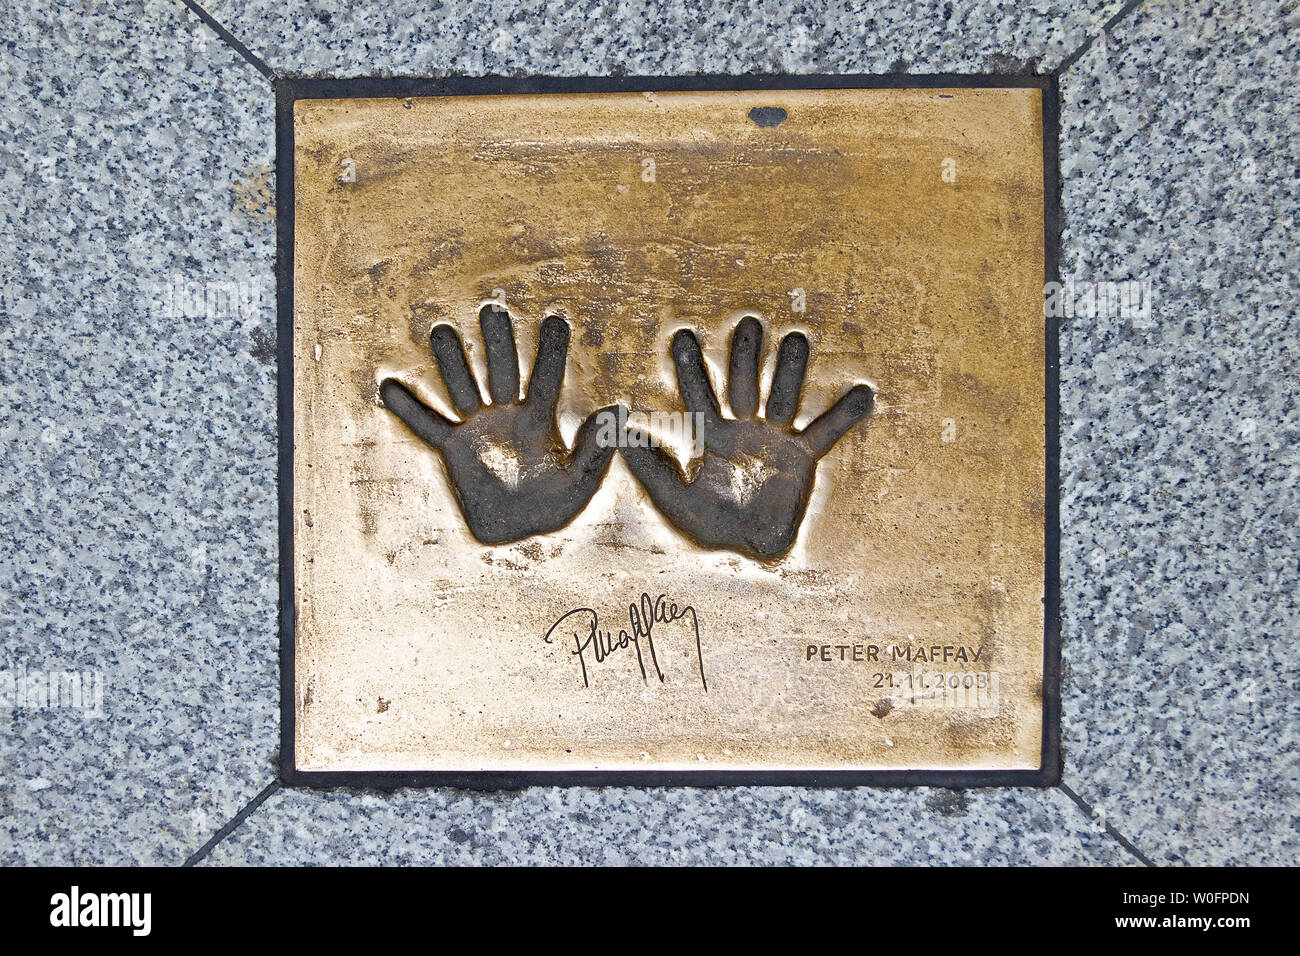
x=907 y=225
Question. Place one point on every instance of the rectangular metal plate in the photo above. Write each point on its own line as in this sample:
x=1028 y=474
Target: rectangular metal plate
x=845 y=599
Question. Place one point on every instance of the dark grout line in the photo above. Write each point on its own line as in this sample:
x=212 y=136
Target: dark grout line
x=270 y=789
x=1119 y=837
x=1084 y=47
x=258 y=63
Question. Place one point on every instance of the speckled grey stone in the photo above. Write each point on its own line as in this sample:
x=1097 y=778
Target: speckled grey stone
x=625 y=827
x=138 y=452
x=642 y=37
x=646 y=38
x=1180 y=434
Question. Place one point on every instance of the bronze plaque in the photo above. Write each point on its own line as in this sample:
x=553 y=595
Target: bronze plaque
x=667 y=431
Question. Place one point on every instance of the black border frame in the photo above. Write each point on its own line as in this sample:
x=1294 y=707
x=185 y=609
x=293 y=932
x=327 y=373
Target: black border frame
x=289 y=90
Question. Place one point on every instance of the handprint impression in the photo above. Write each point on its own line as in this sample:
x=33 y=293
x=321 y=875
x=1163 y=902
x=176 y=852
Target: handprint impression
x=506 y=461
x=750 y=489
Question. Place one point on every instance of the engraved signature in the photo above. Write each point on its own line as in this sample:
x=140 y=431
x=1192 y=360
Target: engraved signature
x=643 y=617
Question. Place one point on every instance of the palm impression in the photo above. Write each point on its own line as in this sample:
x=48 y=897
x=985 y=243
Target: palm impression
x=508 y=466
x=749 y=490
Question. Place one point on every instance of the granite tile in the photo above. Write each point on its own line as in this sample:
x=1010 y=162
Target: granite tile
x=137 y=446
x=643 y=37
x=749 y=826
x=1179 y=433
